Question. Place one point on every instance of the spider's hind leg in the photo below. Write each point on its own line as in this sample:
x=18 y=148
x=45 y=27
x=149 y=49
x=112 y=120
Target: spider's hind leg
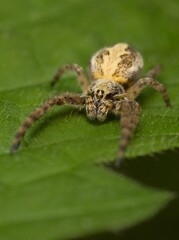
x=136 y=89
x=154 y=72
x=83 y=80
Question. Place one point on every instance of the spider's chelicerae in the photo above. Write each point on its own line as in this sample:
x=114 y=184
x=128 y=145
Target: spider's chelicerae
x=115 y=84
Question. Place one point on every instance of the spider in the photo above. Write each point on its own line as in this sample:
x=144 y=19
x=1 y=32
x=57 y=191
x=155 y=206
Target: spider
x=114 y=85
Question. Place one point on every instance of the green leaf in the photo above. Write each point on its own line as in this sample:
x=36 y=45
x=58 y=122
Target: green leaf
x=52 y=189
x=67 y=201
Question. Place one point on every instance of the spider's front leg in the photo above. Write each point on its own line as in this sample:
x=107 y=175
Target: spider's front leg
x=68 y=98
x=130 y=112
x=83 y=80
x=90 y=108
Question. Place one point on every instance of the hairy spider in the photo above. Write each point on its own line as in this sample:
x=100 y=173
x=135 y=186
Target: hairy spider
x=115 y=84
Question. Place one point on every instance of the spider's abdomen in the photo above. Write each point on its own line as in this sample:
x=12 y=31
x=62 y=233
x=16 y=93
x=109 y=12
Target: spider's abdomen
x=119 y=63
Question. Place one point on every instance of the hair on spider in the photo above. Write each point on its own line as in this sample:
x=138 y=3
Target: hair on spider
x=115 y=84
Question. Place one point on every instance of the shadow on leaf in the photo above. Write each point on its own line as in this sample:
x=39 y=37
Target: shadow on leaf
x=159 y=171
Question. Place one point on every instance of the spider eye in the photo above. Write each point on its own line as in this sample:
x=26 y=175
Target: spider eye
x=109 y=96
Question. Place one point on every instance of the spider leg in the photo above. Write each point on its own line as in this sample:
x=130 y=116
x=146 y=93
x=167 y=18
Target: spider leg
x=130 y=112
x=155 y=71
x=83 y=80
x=68 y=98
x=90 y=108
x=135 y=90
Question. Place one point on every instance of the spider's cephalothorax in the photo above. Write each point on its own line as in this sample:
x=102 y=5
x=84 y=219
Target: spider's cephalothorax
x=116 y=83
x=101 y=98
